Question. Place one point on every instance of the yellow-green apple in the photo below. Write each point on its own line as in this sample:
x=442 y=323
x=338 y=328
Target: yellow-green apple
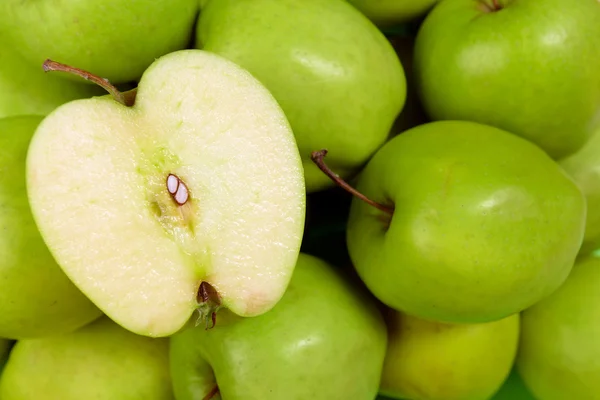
x=196 y=188
x=116 y=39
x=475 y=223
x=36 y=297
x=527 y=66
x=559 y=354
x=101 y=361
x=429 y=360
x=325 y=340
x=333 y=72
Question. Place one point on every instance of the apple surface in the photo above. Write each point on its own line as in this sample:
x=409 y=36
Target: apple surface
x=335 y=75
x=197 y=185
x=36 y=297
x=584 y=168
x=480 y=223
x=116 y=39
x=428 y=360
x=390 y=12
x=26 y=90
x=537 y=79
x=559 y=354
x=100 y=361
x=325 y=340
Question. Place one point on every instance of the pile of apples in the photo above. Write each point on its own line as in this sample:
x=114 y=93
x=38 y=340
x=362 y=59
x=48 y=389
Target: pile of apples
x=300 y=199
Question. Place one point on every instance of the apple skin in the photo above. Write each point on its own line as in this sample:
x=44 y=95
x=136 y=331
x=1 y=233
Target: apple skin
x=559 y=354
x=390 y=12
x=485 y=223
x=545 y=89
x=333 y=72
x=5 y=346
x=428 y=360
x=325 y=339
x=36 y=297
x=584 y=168
x=26 y=90
x=115 y=39
x=101 y=361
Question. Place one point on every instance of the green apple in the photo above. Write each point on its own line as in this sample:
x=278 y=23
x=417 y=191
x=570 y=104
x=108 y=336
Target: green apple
x=325 y=340
x=333 y=72
x=484 y=223
x=391 y=12
x=36 y=297
x=527 y=66
x=116 y=39
x=26 y=90
x=559 y=354
x=198 y=182
x=101 y=361
x=584 y=168
x=513 y=389
x=428 y=360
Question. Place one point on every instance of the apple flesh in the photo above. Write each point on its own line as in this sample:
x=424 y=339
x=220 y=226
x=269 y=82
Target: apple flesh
x=116 y=39
x=559 y=354
x=36 y=297
x=484 y=225
x=325 y=340
x=101 y=361
x=437 y=361
x=333 y=72
x=199 y=181
x=525 y=66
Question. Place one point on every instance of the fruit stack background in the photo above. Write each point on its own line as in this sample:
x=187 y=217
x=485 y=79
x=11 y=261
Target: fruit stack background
x=300 y=199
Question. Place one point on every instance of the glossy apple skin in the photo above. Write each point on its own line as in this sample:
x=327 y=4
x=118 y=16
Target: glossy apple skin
x=390 y=12
x=530 y=68
x=584 y=168
x=115 y=39
x=335 y=75
x=437 y=361
x=559 y=354
x=36 y=297
x=323 y=340
x=101 y=361
x=27 y=90
x=485 y=223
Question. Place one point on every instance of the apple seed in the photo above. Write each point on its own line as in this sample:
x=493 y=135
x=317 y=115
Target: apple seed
x=177 y=189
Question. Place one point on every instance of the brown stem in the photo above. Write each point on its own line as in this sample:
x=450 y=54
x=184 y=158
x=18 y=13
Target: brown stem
x=50 y=65
x=496 y=5
x=213 y=392
x=318 y=158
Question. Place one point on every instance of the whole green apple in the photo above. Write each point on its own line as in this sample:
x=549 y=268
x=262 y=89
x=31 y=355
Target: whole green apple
x=528 y=66
x=100 y=361
x=428 y=360
x=584 y=168
x=36 y=297
x=480 y=223
x=26 y=90
x=333 y=72
x=324 y=340
x=391 y=12
x=559 y=354
x=116 y=39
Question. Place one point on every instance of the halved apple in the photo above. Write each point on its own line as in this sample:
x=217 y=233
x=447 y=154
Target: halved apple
x=200 y=180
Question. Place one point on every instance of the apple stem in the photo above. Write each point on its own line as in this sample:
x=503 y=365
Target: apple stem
x=496 y=5
x=318 y=158
x=50 y=65
x=213 y=392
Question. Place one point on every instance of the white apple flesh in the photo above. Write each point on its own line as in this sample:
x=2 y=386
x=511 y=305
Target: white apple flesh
x=199 y=181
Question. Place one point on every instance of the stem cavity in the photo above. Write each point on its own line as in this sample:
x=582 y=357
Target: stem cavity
x=318 y=158
x=50 y=65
